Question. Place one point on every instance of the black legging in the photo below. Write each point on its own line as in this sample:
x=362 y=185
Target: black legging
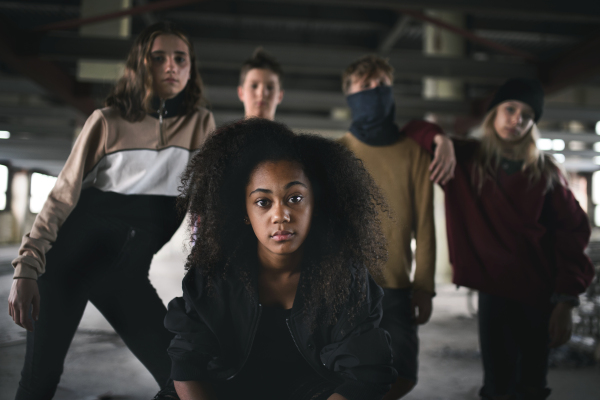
x=514 y=347
x=106 y=261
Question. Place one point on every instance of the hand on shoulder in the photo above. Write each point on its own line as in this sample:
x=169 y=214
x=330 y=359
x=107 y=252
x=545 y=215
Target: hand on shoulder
x=444 y=160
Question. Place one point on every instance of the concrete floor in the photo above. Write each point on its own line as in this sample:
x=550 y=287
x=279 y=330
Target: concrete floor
x=99 y=364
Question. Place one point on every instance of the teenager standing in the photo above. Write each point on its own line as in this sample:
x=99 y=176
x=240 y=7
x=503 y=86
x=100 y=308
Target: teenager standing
x=112 y=208
x=260 y=88
x=516 y=234
x=400 y=168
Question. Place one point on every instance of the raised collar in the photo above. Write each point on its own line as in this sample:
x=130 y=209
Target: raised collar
x=170 y=108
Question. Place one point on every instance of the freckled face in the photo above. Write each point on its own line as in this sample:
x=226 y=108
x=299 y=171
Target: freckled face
x=170 y=65
x=280 y=205
x=513 y=120
x=358 y=84
x=261 y=93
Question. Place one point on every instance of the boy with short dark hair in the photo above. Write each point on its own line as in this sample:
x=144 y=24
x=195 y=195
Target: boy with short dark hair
x=401 y=169
x=260 y=85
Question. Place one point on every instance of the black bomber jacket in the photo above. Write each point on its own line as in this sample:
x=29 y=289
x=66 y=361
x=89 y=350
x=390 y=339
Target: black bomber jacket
x=214 y=335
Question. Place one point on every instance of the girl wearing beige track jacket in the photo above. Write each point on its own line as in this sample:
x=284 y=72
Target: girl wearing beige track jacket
x=112 y=208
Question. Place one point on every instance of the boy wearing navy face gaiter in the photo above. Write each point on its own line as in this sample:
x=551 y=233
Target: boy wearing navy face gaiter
x=401 y=168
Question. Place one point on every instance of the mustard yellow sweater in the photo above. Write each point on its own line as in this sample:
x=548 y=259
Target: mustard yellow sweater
x=401 y=171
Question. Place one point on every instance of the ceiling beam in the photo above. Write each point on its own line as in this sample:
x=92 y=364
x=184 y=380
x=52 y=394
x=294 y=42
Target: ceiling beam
x=323 y=102
x=577 y=65
x=470 y=36
x=399 y=29
x=583 y=10
x=77 y=22
x=45 y=73
x=295 y=58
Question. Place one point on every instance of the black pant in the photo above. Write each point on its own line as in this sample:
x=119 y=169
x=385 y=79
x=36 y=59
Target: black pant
x=514 y=347
x=106 y=261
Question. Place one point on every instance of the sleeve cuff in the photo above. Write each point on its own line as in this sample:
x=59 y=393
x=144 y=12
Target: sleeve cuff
x=355 y=390
x=25 y=271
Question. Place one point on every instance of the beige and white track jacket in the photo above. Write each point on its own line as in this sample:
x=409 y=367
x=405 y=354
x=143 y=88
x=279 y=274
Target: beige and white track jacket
x=128 y=168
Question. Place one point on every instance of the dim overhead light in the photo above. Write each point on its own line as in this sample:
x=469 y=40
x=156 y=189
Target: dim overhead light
x=559 y=157
x=598 y=128
x=4 y=135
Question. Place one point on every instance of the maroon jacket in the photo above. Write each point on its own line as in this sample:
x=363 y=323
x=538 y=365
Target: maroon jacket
x=512 y=239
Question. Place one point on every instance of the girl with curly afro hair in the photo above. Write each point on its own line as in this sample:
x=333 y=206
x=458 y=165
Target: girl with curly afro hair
x=278 y=301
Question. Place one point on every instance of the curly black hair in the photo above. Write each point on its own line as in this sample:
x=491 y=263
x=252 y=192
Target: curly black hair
x=346 y=234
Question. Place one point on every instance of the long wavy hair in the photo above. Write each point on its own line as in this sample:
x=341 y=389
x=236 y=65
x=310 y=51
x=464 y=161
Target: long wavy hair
x=536 y=164
x=345 y=233
x=132 y=94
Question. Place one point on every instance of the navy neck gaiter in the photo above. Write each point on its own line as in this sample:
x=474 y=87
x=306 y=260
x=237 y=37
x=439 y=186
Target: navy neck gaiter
x=373 y=113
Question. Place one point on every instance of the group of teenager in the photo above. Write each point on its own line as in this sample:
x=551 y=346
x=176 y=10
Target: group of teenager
x=298 y=282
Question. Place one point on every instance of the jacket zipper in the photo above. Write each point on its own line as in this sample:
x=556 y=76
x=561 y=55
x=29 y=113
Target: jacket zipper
x=251 y=343
x=287 y=322
x=161 y=139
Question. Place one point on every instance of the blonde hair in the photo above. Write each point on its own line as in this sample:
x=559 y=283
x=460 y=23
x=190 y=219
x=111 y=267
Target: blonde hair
x=536 y=163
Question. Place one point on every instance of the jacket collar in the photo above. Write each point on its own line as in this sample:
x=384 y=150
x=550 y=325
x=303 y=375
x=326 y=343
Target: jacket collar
x=170 y=107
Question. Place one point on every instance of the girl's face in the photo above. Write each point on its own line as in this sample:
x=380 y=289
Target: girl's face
x=260 y=93
x=513 y=120
x=280 y=204
x=170 y=65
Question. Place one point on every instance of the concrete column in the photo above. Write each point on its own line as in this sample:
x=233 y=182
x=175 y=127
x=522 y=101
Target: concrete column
x=103 y=71
x=438 y=42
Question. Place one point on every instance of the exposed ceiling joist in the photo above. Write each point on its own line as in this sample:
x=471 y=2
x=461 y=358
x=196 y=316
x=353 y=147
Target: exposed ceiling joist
x=323 y=102
x=144 y=9
x=582 y=10
x=388 y=42
x=580 y=63
x=45 y=73
x=324 y=60
x=470 y=36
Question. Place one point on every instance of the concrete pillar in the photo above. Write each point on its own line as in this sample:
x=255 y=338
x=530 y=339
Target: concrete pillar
x=20 y=202
x=103 y=71
x=438 y=42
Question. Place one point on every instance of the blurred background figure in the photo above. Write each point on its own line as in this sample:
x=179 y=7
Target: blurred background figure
x=260 y=86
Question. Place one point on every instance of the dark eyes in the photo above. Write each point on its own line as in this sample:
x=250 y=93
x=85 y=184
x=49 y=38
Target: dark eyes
x=255 y=85
x=266 y=203
x=295 y=199
x=160 y=59
x=262 y=203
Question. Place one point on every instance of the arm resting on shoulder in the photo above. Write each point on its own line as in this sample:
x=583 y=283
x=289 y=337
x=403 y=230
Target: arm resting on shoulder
x=432 y=138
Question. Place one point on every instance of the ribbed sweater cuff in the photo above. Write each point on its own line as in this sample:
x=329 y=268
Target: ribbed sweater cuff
x=187 y=371
x=355 y=390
